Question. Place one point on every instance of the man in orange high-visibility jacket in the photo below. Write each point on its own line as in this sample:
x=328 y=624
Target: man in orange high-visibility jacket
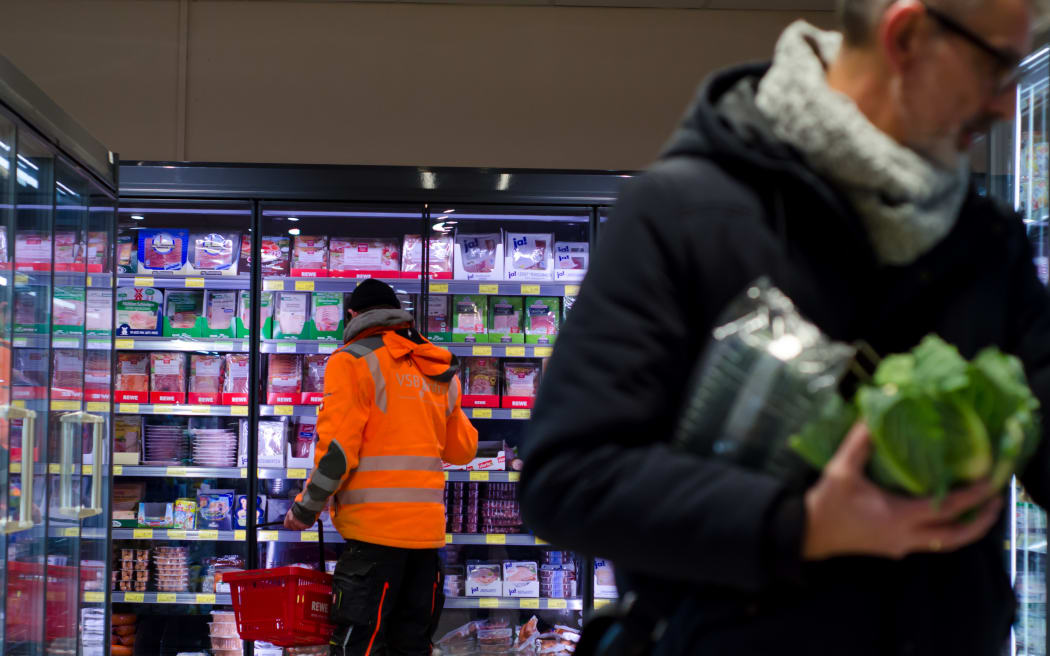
x=391 y=415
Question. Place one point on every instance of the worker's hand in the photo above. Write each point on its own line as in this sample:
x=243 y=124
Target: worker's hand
x=292 y=523
x=847 y=514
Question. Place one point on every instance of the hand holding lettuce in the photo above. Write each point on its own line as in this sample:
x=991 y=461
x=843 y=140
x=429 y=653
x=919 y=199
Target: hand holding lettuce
x=937 y=422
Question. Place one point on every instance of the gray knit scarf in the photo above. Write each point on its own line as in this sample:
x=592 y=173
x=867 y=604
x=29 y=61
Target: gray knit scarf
x=908 y=204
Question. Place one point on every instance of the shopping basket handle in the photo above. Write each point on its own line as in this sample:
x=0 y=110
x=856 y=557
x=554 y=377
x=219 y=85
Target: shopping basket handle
x=320 y=539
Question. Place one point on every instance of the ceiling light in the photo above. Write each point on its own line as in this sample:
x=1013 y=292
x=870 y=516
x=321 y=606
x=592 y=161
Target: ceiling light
x=293 y=218
x=138 y=217
x=293 y=232
x=504 y=182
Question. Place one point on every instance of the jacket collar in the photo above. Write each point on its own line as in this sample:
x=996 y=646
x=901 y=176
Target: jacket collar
x=376 y=319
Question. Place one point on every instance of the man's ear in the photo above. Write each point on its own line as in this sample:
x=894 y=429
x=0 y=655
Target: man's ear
x=900 y=32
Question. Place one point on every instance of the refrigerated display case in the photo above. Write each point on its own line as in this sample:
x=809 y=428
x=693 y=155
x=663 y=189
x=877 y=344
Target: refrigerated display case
x=57 y=210
x=488 y=262
x=1017 y=160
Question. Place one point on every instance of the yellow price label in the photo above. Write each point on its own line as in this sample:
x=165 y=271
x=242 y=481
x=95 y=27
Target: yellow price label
x=495 y=538
x=284 y=410
x=327 y=349
x=513 y=477
x=143 y=281
x=268 y=536
x=19 y=403
x=530 y=603
x=488 y=602
x=142 y=534
x=87 y=470
x=286 y=347
x=54 y=468
x=557 y=603
x=304 y=285
x=482 y=350
x=205 y=598
x=65 y=405
x=273 y=285
x=167 y=598
x=299 y=474
x=195 y=282
x=448 y=538
x=201 y=409
x=541 y=541
x=520 y=414
x=572 y=290
x=94 y=597
x=515 y=351
x=240 y=536
x=439 y=288
x=21 y=279
x=239 y=411
x=543 y=351
x=89 y=282
x=208 y=534
x=530 y=290
x=602 y=603
x=72 y=532
x=97 y=406
x=163 y=409
x=222 y=346
x=178 y=472
x=129 y=408
x=445 y=473
x=16 y=468
x=483 y=413
x=244 y=472
x=118 y=470
x=309 y=536
x=134 y=597
x=488 y=289
x=479 y=476
x=124 y=344
x=178 y=534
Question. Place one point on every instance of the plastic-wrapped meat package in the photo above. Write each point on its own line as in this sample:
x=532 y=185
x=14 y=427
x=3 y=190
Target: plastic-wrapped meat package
x=310 y=254
x=139 y=310
x=96 y=375
x=162 y=250
x=236 y=379
x=541 y=316
x=127 y=433
x=67 y=374
x=327 y=312
x=31 y=310
x=244 y=308
x=366 y=255
x=215 y=251
x=245 y=264
x=313 y=379
x=98 y=314
x=481 y=376
x=272 y=438
x=276 y=255
x=221 y=308
x=132 y=371
x=97 y=252
x=32 y=250
x=68 y=312
x=284 y=376
x=205 y=374
x=291 y=314
x=168 y=372
x=441 y=247
x=183 y=308
x=521 y=379
x=127 y=256
x=29 y=368
x=69 y=251
x=437 y=315
x=477 y=253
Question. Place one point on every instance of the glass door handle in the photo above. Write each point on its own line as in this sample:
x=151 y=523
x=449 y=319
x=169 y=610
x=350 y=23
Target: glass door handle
x=25 y=504
x=68 y=498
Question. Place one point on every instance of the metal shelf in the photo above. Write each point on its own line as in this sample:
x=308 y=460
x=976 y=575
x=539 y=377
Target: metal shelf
x=297 y=536
x=178 y=534
x=75 y=341
x=287 y=284
x=58 y=405
x=145 y=471
x=298 y=346
x=495 y=539
x=501 y=350
x=159 y=280
x=505 y=288
x=288 y=410
x=185 y=410
x=76 y=532
x=508 y=603
x=497 y=413
x=62 y=278
x=210 y=344
x=186 y=598
x=483 y=476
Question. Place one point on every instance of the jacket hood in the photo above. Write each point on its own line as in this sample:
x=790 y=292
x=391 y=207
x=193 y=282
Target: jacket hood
x=401 y=339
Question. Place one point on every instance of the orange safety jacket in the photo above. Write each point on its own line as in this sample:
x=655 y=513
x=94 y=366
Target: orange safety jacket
x=391 y=414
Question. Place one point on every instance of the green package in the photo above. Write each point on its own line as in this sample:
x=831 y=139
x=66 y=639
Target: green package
x=139 y=311
x=439 y=323
x=542 y=318
x=505 y=315
x=184 y=313
x=469 y=314
x=31 y=310
x=265 y=315
x=326 y=315
x=68 y=310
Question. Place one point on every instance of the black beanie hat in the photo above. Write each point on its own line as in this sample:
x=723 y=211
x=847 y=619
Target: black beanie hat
x=372 y=293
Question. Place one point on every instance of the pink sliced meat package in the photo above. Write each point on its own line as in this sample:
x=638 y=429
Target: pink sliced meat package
x=67 y=374
x=284 y=378
x=205 y=374
x=310 y=256
x=377 y=256
x=313 y=378
x=236 y=378
x=168 y=372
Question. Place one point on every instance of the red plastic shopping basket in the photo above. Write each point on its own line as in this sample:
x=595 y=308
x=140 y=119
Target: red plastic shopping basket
x=285 y=606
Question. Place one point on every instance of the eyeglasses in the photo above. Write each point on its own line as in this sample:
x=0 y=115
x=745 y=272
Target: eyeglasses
x=1007 y=62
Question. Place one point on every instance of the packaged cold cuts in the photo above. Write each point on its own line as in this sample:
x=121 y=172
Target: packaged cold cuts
x=570 y=260
x=276 y=256
x=327 y=314
x=214 y=253
x=529 y=257
x=542 y=318
x=163 y=250
x=479 y=257
x=349 y=257
x=284 y=383
x=68 y=310
x=291 y=312
x=310 y=256
x=221 y=308
x=139 y=311
x=469 y=318
x=182 y=309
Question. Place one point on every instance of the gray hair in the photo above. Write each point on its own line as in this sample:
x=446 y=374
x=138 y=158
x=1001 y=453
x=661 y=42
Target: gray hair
x=858 y=18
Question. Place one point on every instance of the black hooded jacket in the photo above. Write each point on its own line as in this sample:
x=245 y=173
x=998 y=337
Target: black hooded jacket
x=718 y=546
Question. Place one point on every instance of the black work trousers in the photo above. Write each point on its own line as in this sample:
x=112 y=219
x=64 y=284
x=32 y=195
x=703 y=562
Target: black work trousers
x=386 y=601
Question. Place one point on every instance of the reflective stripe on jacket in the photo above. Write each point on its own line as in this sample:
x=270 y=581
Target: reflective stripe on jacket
x=391 y=415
